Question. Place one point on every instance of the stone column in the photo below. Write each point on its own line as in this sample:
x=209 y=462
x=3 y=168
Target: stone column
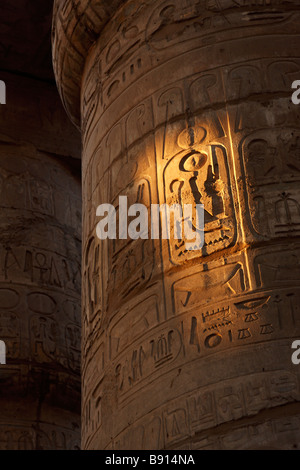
x=188 y=102
x=40 y=235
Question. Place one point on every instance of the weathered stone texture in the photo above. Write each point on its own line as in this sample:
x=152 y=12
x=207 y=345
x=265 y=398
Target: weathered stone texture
x=188 y=102
x=40 y=283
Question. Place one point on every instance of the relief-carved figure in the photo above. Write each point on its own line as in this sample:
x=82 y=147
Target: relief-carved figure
x=44 y=333
x=131 y=262
x=200 y=175
x=272 y=174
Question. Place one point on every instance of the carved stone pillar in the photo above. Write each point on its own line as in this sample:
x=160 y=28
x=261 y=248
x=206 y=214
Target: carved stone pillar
x=40 y=234
x=185 y=102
